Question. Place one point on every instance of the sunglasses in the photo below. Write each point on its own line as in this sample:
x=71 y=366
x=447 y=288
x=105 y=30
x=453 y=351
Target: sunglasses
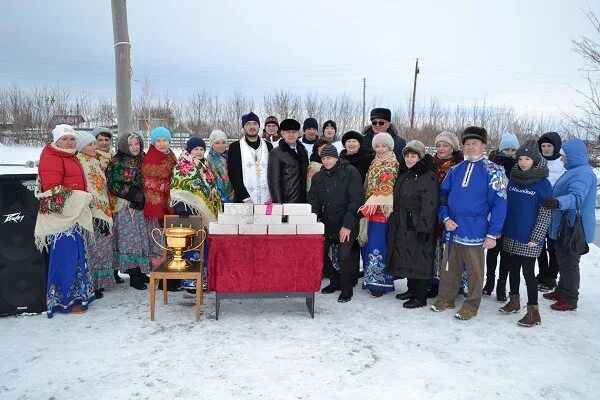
x=380 y=123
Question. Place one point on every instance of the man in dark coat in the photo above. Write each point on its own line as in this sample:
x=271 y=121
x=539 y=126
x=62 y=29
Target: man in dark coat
x=381 y=122
x=412 y=223
x=288 y=164
x=243 y=188
x=336 y=193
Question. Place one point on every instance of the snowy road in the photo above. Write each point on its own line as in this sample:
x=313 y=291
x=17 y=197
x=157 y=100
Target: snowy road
x=271 y=349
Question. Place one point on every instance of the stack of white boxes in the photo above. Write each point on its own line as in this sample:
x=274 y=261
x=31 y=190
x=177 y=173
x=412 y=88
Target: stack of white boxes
x=252 y=219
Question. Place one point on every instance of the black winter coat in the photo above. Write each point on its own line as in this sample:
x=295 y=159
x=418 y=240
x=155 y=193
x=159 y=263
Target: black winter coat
x=287 y=173
x=399 y=142
x=361 y=160
x=335 y=196
x=412 y=222
x=507 y=163
x=234 y=168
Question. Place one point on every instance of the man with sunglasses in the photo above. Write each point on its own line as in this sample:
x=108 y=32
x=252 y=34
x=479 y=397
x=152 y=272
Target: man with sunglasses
x=381 y=122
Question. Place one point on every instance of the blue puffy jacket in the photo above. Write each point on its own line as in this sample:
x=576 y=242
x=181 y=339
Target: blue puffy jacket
x=579 y=181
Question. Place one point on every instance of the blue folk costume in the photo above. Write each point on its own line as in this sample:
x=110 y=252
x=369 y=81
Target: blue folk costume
x=474 y=196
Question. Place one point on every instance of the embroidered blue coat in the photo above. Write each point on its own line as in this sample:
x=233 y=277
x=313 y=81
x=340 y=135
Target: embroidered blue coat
x=473 y=195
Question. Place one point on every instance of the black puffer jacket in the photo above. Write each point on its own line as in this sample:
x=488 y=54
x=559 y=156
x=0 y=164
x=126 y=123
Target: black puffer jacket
x=287 y=173
x=361 y=160
x=399 y=142
x=335 y=196
x=505 y=162
x=412 y=222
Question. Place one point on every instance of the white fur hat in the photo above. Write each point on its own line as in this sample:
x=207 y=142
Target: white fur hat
x=217 y=135
x=63 y=130
x=448 y=137
x=383 y=138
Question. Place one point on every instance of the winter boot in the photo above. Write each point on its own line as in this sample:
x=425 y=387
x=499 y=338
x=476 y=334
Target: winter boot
x=345 y=297
x=441 y=305
x=134 y=279
x=414 y=303
x=501 y=290
x=465 y=314
x=404 y=296
x=552 y=295
x=329 y=289
x=118 y=279
x=547 y=286
x=375 y=293
x=562 y=306
x=531 y=318
x=513 y=306
x=488 y=288
x=98 y=294
x=432 y=292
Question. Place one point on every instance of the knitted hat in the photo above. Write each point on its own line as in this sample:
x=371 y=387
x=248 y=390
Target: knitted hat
x=329 y=150
x=250 y=117
x=160 y=132
x=531 y=150
x=508 y=141
x=330 y=123
x=448 y=137
x=352 y=135
x=84 y=139
x=62 y=130
x=310 y=123
x=217 y=135
x=105 y=131
x=272 y=120
x=383 y=138
x=416 y=147
x=474 y=132
x=289 y=125
x=382 y=113
x=194 y=142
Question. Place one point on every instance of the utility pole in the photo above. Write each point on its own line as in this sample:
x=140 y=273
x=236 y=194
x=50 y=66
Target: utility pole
x=122 y=65
x=412 y=113
x=364 y=115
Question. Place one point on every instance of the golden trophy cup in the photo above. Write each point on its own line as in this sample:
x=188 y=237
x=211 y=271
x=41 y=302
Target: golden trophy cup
x=178 y=239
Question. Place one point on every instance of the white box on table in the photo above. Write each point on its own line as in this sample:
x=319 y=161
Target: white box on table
x=253 y=229
x=239 y=208
x=267 y=219
x=312 y=229
x=303 y=219
x=235 y=219
x=220 y=229
x=296 y=209
x=282 y=229
x=261 y=209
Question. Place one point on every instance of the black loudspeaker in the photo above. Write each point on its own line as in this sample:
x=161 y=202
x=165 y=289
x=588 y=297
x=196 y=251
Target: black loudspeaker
x=23 y=268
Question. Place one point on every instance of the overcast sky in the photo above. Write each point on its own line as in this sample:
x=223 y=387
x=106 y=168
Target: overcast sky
x=507 y=52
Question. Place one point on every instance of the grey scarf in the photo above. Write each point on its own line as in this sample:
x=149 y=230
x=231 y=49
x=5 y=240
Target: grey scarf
x=535 y=174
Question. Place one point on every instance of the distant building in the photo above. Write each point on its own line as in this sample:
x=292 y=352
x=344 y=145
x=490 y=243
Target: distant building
x=58 y=119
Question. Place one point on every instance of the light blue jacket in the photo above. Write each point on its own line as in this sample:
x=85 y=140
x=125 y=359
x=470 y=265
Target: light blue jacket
x=578 y=182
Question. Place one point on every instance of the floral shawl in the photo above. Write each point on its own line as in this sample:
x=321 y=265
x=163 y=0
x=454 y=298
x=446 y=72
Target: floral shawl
x=194 y=185
x=96 y=185
x=218 y=166
x=380 y=185
x=442 y=166
x=122 y=174
x=157 y=170
x=104 y=157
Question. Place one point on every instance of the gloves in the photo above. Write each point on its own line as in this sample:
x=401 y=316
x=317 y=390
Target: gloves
x=423 y=237
x=551 y=203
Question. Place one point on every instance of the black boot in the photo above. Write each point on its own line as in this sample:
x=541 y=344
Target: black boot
x=98 y=294
x=488 y=288
x=501 y=290
x=414 y=303
x=345 y=297
x=118 y=279
x=432 y=292
x=143 y=277
x=135 y=280
x=329 y=289
x=404 y=296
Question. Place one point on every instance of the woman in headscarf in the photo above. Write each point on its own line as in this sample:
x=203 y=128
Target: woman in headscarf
x=99 y=251
x=124 y=181
x=157 y=171
x=377 y=208
x=217 y=162
x=64 y=218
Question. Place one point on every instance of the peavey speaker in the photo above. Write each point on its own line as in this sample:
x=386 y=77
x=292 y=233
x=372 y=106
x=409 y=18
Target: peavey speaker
x=22 y=267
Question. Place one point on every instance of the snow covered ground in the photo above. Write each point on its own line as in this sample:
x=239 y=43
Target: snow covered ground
x=272 y=349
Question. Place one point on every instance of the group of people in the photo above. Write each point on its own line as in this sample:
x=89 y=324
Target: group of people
x=405 y=213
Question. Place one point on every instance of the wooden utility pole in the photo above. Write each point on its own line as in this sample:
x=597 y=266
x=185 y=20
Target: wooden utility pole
x=364 y=116
x=122 y=65
x=412 y=113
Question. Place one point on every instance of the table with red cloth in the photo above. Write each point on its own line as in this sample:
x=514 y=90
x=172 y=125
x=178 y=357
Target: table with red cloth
x=244 y=266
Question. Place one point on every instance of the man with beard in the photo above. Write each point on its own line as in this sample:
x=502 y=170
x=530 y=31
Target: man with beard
x=381 y=122
x=103 y=146
x=288 y=164
x=472 y=191
x=248 y=159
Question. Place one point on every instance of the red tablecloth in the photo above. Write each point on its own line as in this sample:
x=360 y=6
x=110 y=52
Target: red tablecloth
x=265 y=263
